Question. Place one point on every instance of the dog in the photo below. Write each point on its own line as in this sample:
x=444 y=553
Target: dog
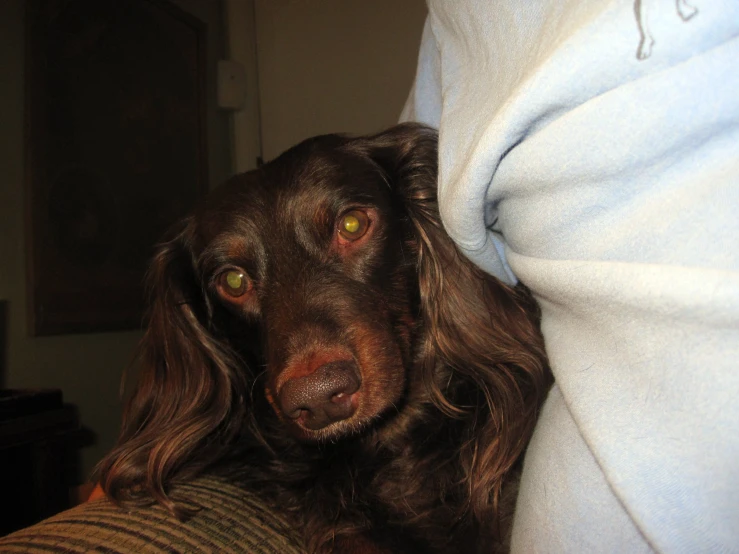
x=315 y=335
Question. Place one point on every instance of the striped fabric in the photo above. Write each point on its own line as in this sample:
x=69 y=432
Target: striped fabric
x=229 y=520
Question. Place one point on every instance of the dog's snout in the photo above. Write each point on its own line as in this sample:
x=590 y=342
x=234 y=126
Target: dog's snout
x=322 y=397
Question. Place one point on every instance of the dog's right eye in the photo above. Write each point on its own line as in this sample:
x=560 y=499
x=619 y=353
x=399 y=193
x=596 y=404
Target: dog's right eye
x=233 y=283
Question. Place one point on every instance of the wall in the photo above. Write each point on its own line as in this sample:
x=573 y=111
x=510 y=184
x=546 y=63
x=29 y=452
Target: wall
x=86 y=367
x=241 y=47
x=333 y=65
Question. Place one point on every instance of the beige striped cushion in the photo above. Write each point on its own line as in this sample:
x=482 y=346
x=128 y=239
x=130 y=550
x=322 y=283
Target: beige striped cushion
x=230 y=520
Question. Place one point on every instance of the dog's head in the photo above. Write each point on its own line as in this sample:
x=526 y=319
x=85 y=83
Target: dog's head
x=322 y=288
x=306 y=267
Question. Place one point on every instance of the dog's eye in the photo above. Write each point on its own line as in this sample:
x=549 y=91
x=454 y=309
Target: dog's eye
x=234 y=283
x=353 y=225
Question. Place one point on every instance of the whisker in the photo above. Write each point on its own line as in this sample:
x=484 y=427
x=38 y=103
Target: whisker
x=254 y=382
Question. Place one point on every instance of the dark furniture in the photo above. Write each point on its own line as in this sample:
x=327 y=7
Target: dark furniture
x=37 y=432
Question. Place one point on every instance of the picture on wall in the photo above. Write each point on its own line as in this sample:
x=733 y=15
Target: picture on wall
x=116 y=152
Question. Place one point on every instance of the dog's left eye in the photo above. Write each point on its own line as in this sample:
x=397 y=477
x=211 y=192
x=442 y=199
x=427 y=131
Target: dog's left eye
x=234 y=283
x=353 y=225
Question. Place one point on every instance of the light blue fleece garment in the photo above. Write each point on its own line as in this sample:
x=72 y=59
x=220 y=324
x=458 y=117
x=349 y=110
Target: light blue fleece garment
x=590 y=148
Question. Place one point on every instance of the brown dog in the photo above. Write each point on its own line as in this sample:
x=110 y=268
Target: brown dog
x=315 y=335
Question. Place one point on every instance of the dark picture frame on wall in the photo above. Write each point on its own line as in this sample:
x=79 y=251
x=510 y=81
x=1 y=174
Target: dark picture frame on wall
x=115 y=152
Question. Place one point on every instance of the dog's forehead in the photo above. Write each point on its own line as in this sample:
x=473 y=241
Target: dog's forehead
x=296 y=194
x=325 y=183
x=230 y=205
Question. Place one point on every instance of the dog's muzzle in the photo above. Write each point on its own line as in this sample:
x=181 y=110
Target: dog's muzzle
x=322 y=397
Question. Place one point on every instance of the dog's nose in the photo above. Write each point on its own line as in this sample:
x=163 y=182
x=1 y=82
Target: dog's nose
x=322 y=397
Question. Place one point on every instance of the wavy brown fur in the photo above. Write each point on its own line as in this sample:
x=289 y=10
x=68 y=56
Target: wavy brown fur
x=451 y=360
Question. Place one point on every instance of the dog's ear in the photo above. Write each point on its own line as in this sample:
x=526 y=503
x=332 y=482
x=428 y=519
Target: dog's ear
x=477 y=327
x=186 y=396
x=407 y=156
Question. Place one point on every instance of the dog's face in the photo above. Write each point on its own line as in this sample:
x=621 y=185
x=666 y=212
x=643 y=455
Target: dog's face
x=315 y=252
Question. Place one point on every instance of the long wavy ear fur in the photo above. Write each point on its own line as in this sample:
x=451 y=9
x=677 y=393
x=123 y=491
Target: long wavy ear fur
x=186 y=397
x=482 y=331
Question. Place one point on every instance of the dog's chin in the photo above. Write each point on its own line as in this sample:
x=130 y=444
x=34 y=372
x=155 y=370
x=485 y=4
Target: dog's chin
x=332 y=433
